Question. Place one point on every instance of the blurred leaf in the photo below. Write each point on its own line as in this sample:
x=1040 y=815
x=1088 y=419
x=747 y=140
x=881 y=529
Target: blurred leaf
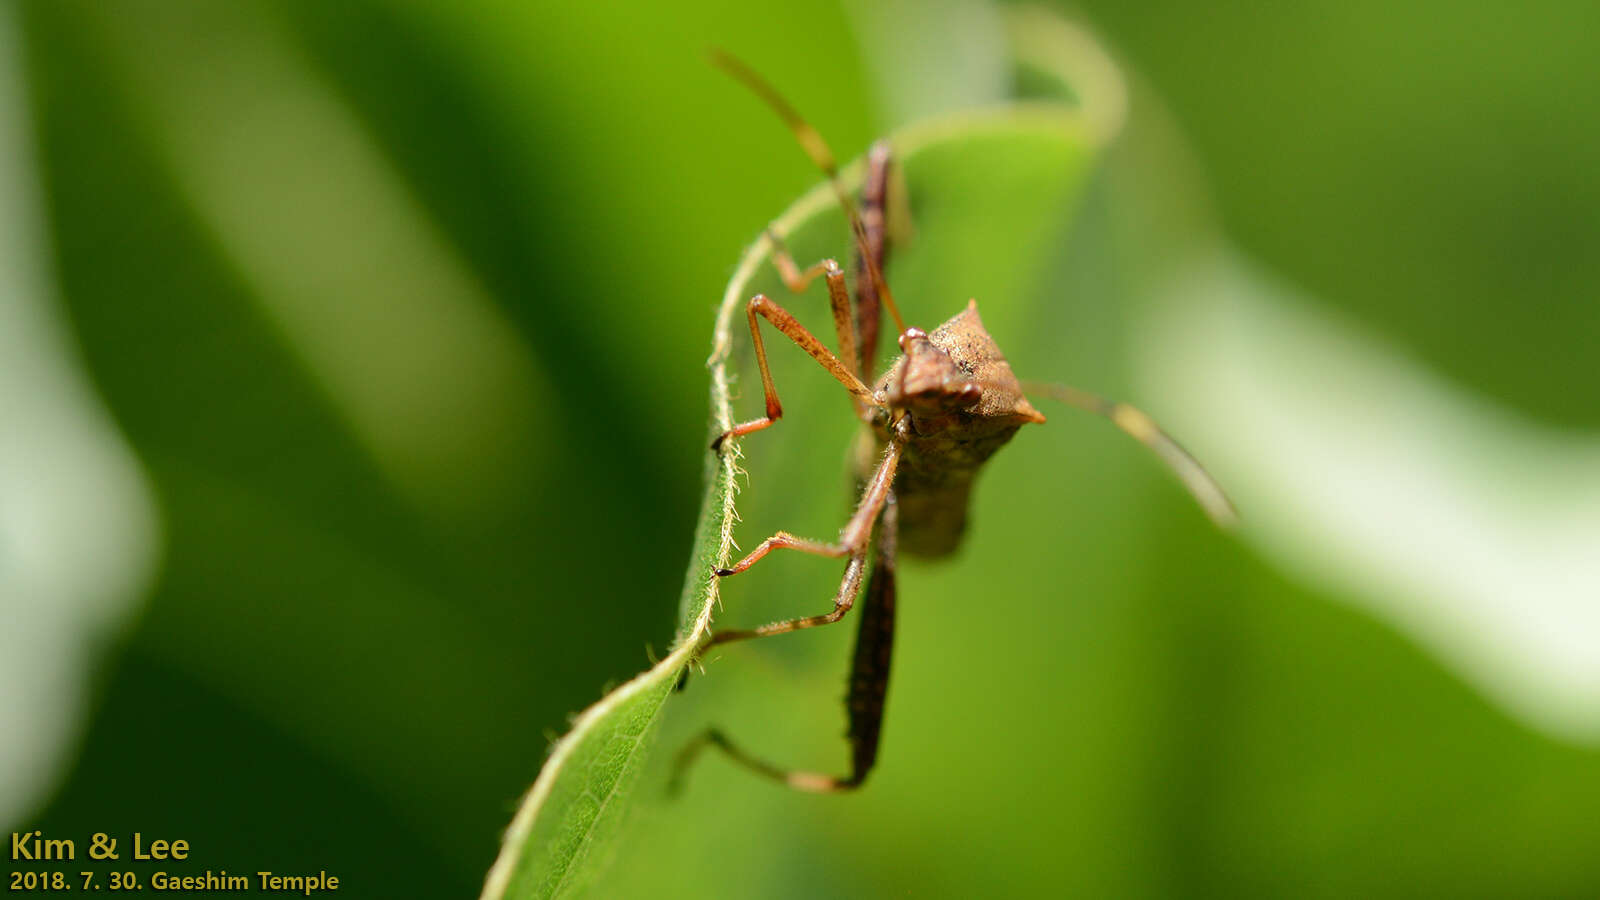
x=1435 y=189
x=79 y=534
x=576 y=805
x=412 y=627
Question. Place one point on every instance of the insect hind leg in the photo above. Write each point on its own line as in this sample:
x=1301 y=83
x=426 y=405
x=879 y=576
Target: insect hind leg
x=814 y=782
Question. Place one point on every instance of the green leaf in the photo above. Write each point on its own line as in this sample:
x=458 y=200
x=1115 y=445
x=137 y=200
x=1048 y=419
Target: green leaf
x=1020 y=162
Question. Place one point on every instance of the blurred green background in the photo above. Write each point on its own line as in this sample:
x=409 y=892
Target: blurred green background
x=356 y=415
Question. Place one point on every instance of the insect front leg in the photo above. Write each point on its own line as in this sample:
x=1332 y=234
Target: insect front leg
x=858 y=333
x=838 y=298
x=760 y=307
x=852 y=543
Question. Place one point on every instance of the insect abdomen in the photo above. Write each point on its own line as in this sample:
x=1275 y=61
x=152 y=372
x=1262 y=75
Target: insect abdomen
x=934 y=488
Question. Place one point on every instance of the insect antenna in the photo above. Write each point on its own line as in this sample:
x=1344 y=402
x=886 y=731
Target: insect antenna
x=1143 y=429
x=811 y=142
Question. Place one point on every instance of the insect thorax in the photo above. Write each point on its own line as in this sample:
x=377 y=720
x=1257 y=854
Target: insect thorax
x=952 y=401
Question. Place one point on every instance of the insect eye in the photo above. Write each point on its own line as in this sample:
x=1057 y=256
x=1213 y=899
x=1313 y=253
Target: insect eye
x=971 y=394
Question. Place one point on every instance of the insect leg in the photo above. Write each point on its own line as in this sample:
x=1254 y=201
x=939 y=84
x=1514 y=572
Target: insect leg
x=1143 y=429
x=858 y=334
x=852 y=542
x=869 y=684
x=793 y=278
x=854 y=535
x=816 y=148
x=838 y=297
x=760 y=306
x=849 y=586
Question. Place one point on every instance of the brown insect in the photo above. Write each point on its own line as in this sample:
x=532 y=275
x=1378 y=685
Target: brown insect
x=940 y=411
